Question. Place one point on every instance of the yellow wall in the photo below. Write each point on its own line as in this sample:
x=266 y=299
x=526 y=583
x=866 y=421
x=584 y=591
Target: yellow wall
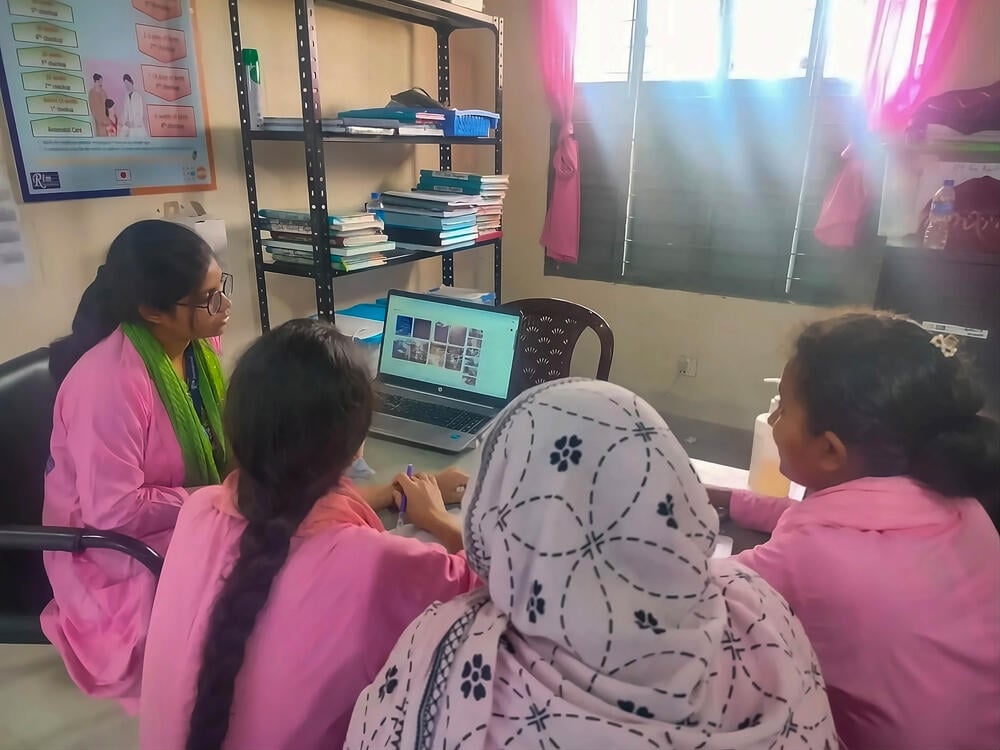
x=737 y=342
x=364 y=59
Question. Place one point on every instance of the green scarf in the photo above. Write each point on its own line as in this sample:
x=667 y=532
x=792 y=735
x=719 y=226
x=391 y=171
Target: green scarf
x=202 y=465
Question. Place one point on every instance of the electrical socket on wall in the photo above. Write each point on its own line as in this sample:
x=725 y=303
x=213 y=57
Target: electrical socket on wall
x=687 y=366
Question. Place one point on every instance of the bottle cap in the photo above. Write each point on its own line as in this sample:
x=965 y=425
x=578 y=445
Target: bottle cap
x=250 y=56
x=776 y=400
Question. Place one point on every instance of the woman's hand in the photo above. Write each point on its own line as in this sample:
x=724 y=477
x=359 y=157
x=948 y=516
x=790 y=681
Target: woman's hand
x=720 y=498
x=424 y=501
x=452 y=483
x=425 y=509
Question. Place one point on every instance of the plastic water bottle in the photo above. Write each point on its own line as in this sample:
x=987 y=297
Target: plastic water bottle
x=375 y=206
x=939 y=219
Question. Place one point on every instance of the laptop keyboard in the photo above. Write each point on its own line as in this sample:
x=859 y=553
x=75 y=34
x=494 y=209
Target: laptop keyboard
x=433 y=414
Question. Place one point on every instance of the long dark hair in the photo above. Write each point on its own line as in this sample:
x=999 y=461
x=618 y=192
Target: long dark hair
x=291 y=445
x=152 y=263
x=878 y=382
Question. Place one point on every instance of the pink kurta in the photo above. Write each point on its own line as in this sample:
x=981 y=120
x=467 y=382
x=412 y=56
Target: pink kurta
x=342 y=599
x=115 y=465
x=899 y=592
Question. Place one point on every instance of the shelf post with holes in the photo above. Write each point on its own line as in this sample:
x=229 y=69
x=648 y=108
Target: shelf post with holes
x=248 y=164
x=312 y=131
x=498 y=153
x=444 y=96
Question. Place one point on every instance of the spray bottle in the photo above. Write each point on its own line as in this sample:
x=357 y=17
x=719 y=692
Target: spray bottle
x=255 y=90
x=765 y=472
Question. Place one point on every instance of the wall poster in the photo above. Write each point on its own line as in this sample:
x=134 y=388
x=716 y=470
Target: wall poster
x=104 y=97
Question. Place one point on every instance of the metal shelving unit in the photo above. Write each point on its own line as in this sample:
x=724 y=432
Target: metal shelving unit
x=444 y=18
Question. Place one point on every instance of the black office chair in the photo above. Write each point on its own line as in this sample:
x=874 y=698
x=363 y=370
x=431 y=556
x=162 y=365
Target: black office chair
x=27 y=394
x=550 y=330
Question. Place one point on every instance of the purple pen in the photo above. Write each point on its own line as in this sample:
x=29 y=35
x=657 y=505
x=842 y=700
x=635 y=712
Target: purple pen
x=402 y=503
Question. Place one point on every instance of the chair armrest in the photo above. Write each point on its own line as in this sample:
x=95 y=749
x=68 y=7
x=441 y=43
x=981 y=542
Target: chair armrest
x=42 y=538
x=70 y=539
x=94 y=539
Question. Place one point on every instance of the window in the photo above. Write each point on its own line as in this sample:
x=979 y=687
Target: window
x=682 y=40
x=709 y=132
x=760 y=50
x=845 y=53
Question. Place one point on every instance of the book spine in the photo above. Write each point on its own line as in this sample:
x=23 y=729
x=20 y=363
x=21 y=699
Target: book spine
x=457 y=176
x=286 y=228
x=348 y=265
x=274 y=214
x=438 y=187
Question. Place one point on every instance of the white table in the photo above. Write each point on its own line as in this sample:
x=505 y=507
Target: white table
x=389 y=459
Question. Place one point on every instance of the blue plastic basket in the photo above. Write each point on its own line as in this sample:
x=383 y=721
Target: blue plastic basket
x=470 y=123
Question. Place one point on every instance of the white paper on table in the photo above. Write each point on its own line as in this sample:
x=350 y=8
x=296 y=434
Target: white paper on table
x=723 y=547
x=719 y=476
x=13 y=252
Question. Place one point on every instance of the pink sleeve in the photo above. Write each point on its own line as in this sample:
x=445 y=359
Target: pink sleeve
x=758 y=512
x=774 y=561
x=108 y=444
x=414 y=574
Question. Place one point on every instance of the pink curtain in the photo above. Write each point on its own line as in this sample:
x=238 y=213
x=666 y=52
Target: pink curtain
x=909 y=42
x=555 y=31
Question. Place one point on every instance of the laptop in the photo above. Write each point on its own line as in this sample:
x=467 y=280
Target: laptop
x=444 y=370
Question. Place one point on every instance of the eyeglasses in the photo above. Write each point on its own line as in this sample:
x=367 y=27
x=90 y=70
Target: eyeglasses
x=214 y=302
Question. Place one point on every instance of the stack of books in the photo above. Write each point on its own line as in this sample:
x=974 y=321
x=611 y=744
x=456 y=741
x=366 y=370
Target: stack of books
x=357 y=240
x=389 y=121
x=490 y=188
x=430 y=221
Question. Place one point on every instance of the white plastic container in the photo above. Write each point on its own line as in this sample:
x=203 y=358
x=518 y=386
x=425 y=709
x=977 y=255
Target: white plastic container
x=765 y=472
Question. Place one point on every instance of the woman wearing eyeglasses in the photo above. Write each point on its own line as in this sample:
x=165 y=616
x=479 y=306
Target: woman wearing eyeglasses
x=136 y=426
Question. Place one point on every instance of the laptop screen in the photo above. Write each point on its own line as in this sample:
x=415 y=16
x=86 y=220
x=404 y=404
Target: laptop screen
x=455 y=345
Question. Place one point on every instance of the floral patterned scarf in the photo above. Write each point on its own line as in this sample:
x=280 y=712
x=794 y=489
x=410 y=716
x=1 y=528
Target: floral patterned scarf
x=604 y=623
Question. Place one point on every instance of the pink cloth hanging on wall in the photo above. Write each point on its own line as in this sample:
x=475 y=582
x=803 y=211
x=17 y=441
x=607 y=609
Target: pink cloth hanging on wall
x=910 y=41
x=555 y=31
x=846 y=204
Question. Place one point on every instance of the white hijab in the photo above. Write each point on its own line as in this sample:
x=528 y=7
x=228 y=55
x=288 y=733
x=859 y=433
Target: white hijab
x=603 y=624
